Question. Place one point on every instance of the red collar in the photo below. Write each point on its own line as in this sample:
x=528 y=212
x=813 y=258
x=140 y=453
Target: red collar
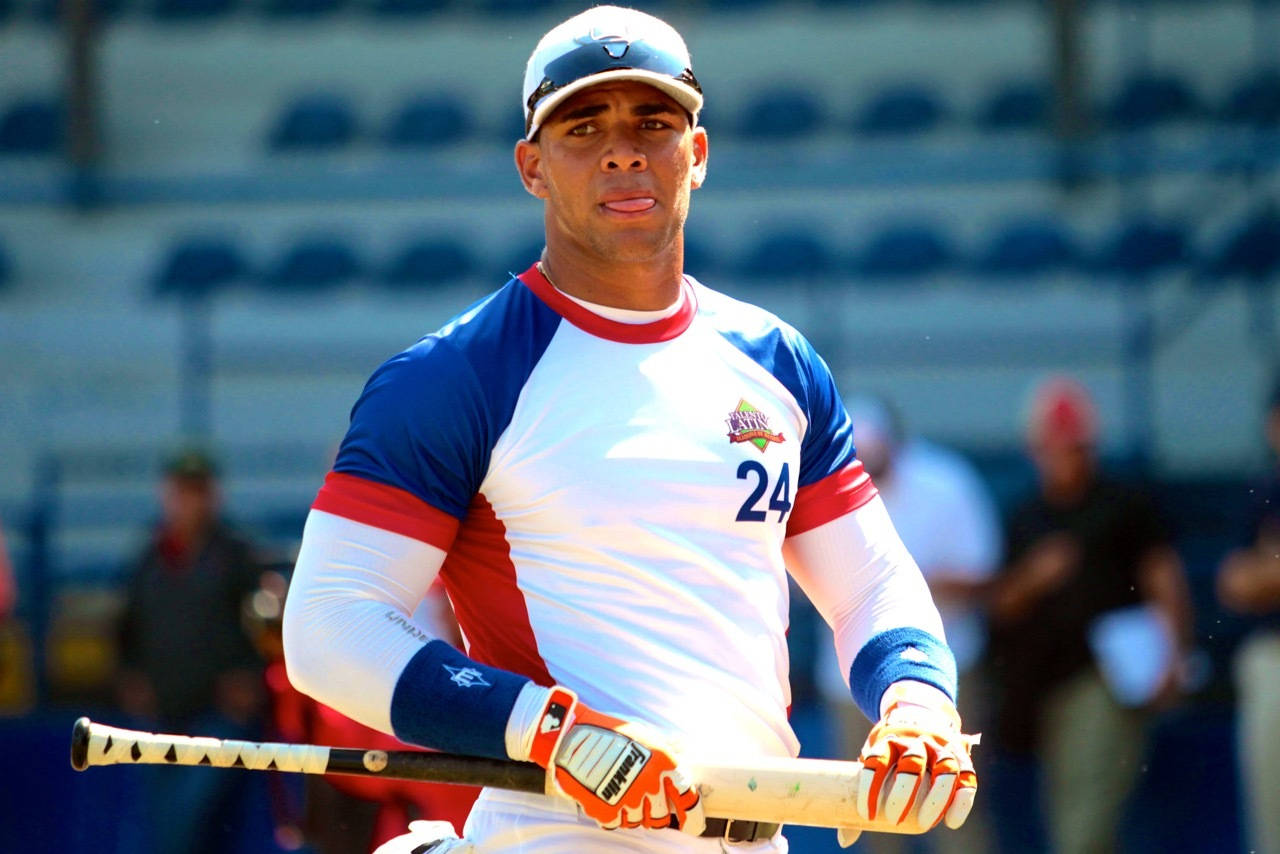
x=602 y=327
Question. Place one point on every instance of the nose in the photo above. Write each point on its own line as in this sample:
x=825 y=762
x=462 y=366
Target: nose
x=623 y=154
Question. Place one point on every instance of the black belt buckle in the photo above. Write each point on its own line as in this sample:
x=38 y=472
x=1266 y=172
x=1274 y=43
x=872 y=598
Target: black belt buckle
x=739 y=830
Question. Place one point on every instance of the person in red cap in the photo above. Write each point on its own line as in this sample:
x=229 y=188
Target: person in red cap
x=1087 y=619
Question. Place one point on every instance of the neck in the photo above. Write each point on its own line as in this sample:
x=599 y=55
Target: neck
x=650 y=285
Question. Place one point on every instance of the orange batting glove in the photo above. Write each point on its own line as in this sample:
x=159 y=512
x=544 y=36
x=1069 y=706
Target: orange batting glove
x=916 y=767
x=619 y=777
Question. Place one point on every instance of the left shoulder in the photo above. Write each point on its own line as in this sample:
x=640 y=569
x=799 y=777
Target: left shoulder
x=756 y=331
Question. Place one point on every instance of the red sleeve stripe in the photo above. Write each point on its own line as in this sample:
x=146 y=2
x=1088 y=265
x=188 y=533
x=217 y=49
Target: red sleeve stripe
x=387 y=507
x=832 y=497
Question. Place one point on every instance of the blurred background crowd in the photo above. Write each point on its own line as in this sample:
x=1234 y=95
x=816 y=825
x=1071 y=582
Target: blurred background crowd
x=1037 y=240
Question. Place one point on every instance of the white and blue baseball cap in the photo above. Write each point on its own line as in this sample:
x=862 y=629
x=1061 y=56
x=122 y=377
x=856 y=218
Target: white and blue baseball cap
x=607 y=43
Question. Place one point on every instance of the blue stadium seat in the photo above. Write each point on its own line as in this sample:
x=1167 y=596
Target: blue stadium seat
x=519 y=259
x=1018 y=105
x=31 y=126
x=296 y=9
x=1143 y=246
x=190 y=10
x=407 y=8
x=321 y=121
x=514 y=7
x=905 y=251
x=904 y=109
x=699 y=260
x=788 y=253
x=782 y=113
x=6 y=269
x=1253 y=250
x=1255 y=100
x=430 y=261
x=1027 y=248
x=429 y=120
x=200 y=265
x=50 y=11
x=1145 y=100
x=315 y=263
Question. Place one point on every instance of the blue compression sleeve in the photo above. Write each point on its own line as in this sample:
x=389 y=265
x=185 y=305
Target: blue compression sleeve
x=446 y=701
x=898 y=654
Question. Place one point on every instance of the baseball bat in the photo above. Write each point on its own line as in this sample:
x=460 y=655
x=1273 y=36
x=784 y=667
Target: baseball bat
x=814 y=792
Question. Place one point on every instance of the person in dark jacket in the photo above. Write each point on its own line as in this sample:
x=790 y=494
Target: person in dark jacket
x=187 y=665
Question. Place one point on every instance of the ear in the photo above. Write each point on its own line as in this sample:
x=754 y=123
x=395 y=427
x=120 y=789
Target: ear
x=699 y=173
x=529 y=164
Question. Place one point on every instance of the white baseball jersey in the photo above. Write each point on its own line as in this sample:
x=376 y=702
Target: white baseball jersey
x=609 y=502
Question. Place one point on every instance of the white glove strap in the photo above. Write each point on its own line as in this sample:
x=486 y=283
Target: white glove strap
x=522 y=725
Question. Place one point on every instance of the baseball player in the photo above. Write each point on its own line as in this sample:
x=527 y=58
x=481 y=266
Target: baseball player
x=613 y=468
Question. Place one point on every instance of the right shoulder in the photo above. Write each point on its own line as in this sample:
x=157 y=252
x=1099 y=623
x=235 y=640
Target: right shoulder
x=504 y=332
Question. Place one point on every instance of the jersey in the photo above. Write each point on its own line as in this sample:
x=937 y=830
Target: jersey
x=613 y=498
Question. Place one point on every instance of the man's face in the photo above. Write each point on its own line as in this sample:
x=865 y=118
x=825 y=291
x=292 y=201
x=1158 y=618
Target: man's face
x=189 y=503
x=1064 y=466
x=615 y=164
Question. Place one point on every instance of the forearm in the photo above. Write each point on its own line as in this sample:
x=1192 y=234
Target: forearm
x=866 y=586
x=1165 y=588
x=351 y=643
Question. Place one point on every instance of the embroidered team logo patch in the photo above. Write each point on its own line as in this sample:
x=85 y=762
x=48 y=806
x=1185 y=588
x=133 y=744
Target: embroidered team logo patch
x=748 y=424
x=466 y=677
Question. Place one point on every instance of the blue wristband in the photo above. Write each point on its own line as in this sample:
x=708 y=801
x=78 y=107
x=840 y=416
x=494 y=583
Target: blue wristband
x=898 y=654
x=448 y=702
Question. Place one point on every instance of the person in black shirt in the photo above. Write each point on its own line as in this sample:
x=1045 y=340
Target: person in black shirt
x=1084 y=552
x=187 y=665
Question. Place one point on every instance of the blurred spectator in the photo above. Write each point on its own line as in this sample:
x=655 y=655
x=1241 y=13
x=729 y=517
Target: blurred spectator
x=1249 y=583
x=8 y=590
x=8 y=601
x=945 y=515
x=187 y=665
x=344 y=814
x=1088 y=617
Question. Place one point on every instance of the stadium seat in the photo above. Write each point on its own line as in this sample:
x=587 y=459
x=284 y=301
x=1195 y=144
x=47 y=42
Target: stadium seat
x=789 y=253
x=293 y=9
x=315 y=263
x=902 y=109
x=50 y=11
x=1145 y=100
x=31 y=126
x=190 y=10
x=317 y=122
x=1027 y=248
x=1253 y=250
x=429 y=120
x=407 y=8
x=200 y=265
x=1143 y=246
x=782 y=113
x=6 y=269
x=699 y=260
x=430 y=261
x=1016 y=106
x=514 y=7
x=1255 y=100
x=520 y=259
x=905 y=251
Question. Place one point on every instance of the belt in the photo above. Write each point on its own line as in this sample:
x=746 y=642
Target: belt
x=739 y=831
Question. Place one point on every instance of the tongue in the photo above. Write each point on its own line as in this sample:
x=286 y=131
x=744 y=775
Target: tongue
x=630 y=205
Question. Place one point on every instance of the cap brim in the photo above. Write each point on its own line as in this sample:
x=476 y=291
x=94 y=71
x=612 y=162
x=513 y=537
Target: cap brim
x=683 y=95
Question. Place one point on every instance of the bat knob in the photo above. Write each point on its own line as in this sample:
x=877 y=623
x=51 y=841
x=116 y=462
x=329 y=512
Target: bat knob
x=80 y=744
